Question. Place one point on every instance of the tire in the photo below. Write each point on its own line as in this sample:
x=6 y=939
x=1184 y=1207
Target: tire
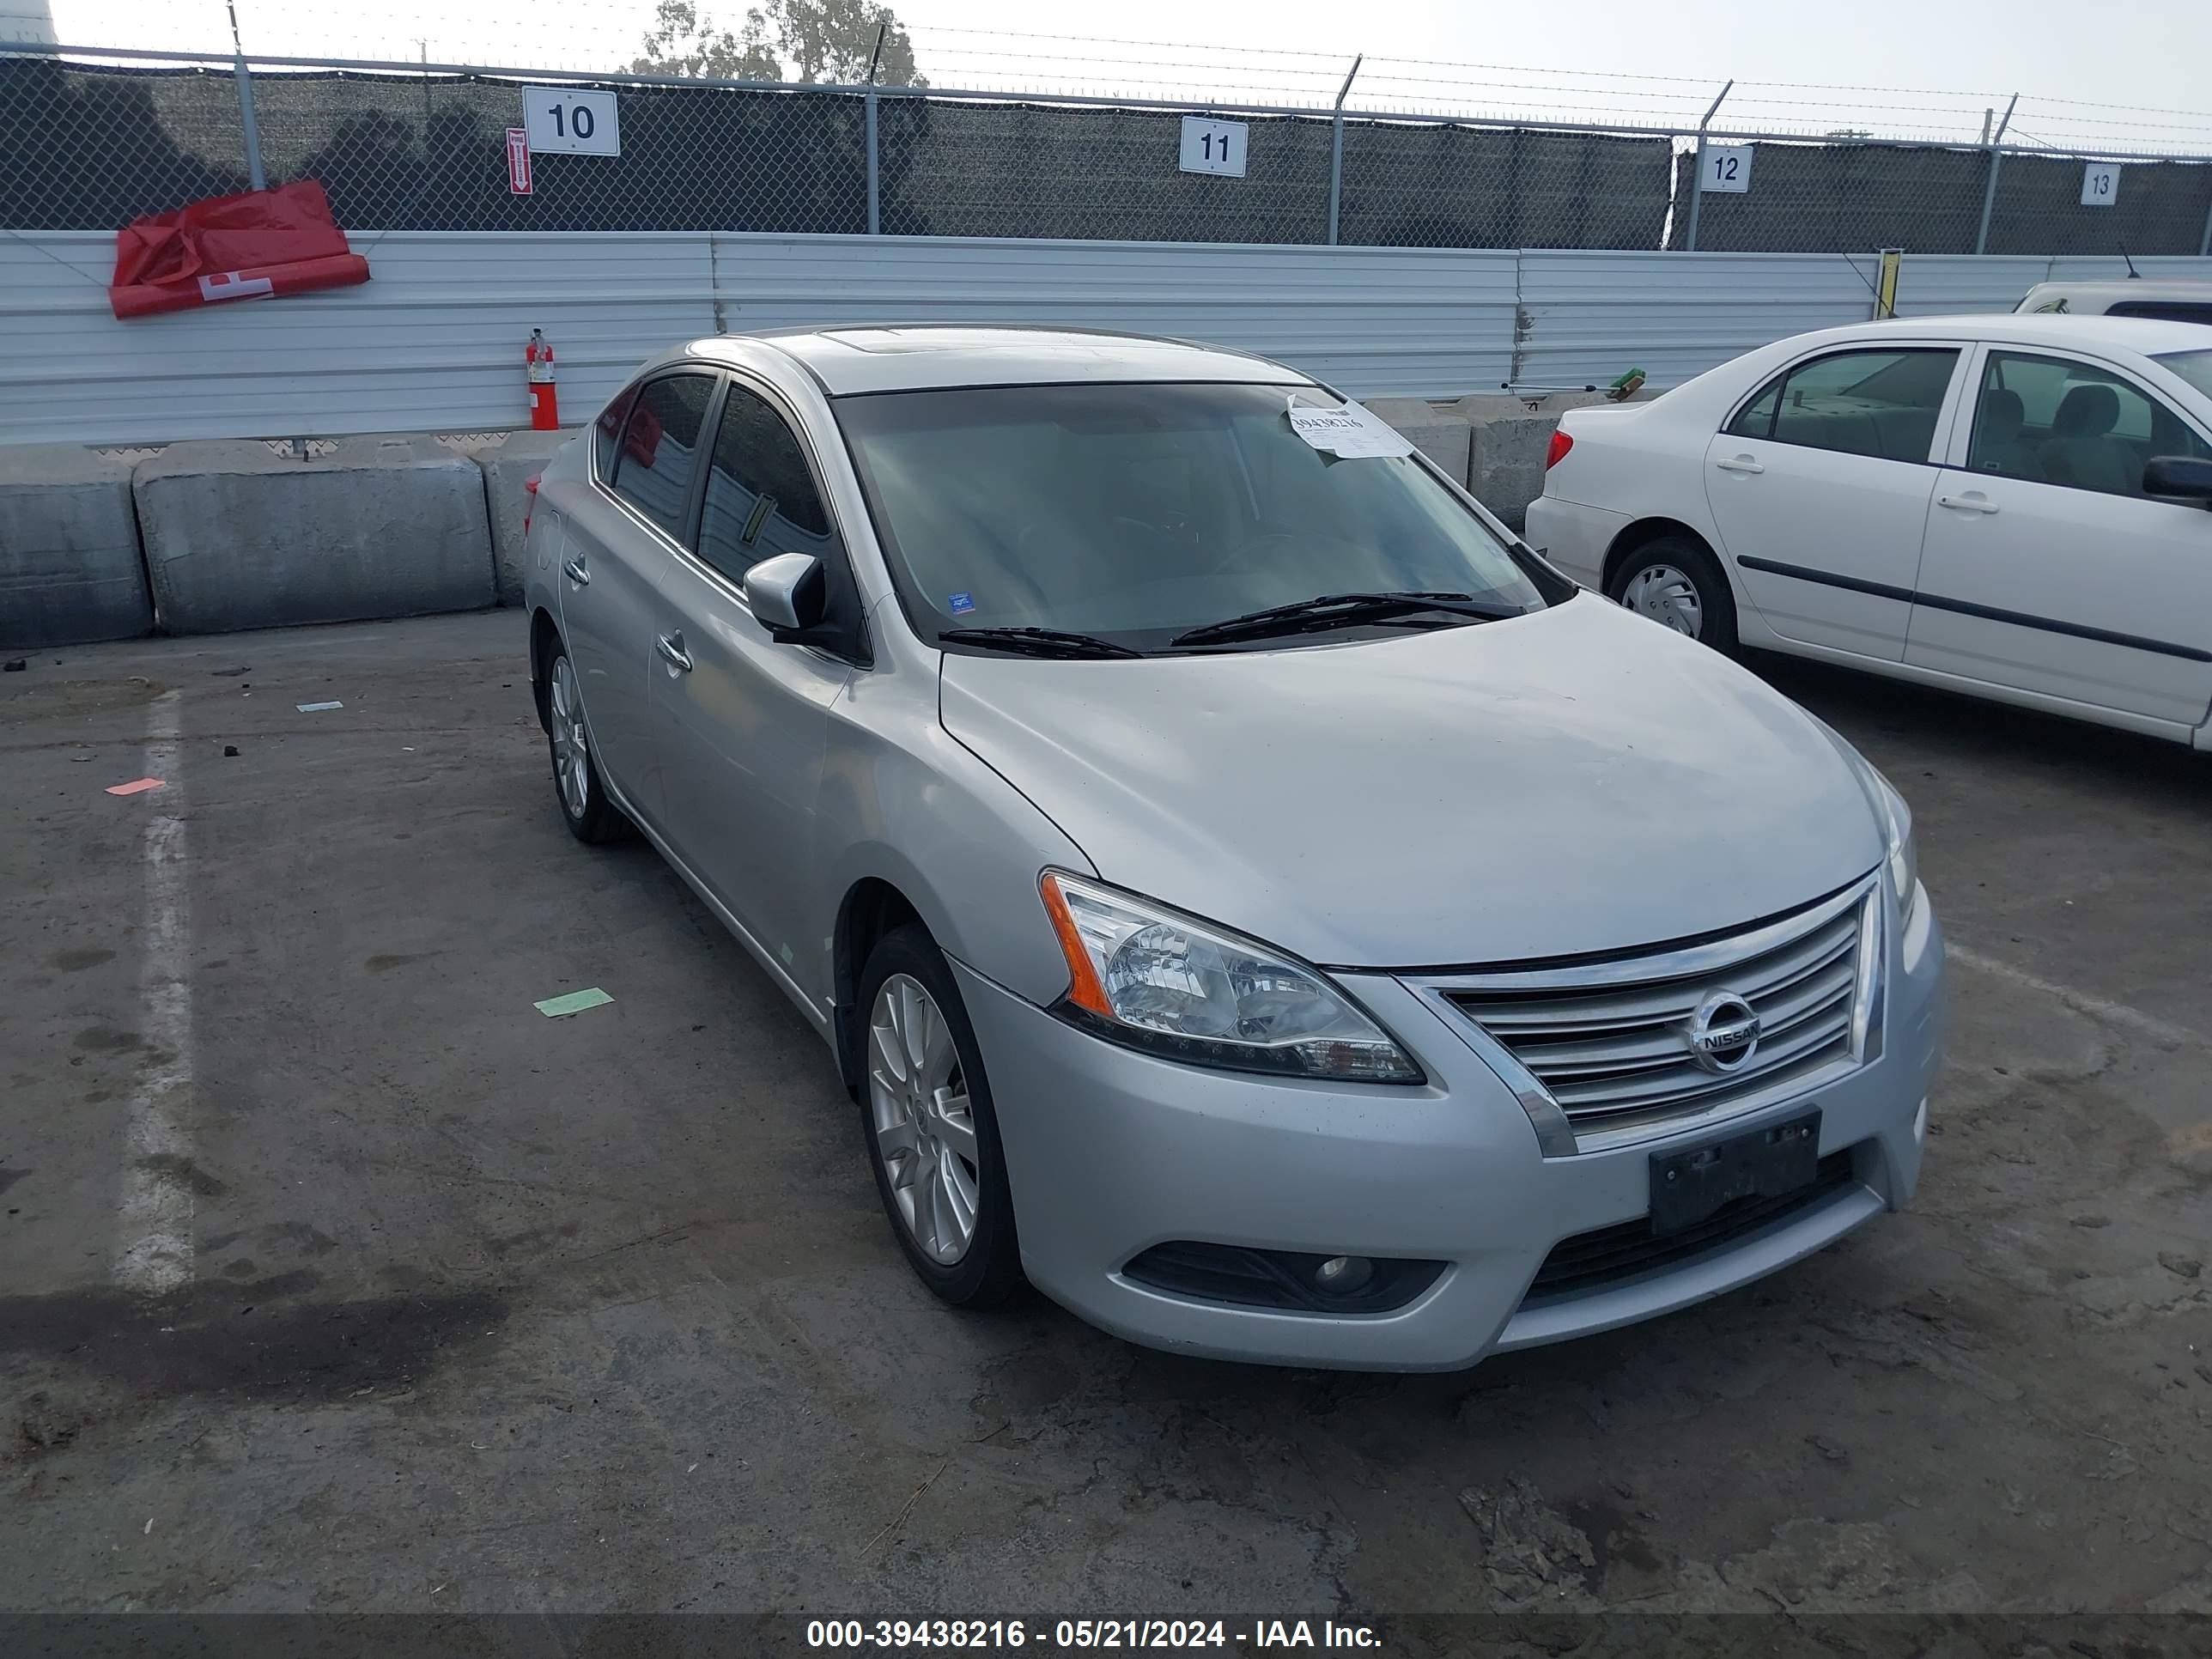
x=922 y=1197
x=590 y=816
x=1676 y=582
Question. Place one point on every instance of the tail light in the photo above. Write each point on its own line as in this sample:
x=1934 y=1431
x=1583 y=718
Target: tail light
x=530 y=484
x=1561 y=443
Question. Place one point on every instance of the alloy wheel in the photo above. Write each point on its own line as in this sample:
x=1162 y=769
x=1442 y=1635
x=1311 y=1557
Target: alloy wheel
x=572 y=758
x=925 y=1130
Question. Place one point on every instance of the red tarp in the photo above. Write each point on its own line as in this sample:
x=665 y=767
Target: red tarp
x=254 y=245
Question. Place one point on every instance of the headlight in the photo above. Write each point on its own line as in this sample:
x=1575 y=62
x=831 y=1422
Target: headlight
x=1894 y=817
x=1897 y=827
x=1155 y=979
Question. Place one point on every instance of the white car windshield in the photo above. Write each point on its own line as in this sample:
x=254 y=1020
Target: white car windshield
x=1135 y=513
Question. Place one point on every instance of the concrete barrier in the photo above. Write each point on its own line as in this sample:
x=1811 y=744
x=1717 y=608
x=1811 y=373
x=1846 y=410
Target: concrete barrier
x=1509 y=439
x=70 y=569
x=1437 y=430
x=510 y=460
x=238 y=536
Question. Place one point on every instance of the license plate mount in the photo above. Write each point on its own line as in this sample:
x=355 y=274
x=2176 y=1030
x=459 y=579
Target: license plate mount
x=1770 y=1161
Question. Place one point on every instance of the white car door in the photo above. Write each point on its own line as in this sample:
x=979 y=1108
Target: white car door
x=1819 y=484
x=2046 y=570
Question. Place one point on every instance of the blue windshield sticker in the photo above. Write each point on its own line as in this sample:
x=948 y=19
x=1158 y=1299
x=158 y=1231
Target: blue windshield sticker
x=961 y=603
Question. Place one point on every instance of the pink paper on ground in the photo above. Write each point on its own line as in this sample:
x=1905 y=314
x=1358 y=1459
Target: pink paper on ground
x=137 y=786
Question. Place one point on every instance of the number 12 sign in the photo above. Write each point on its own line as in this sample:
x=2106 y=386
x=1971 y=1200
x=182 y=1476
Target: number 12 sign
x=1727 y=168
x=1211 y=146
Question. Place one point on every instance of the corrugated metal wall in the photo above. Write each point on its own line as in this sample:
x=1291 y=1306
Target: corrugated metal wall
x=1590 y=317
x=1932 y=285
x=432 y=343
x=435 y=342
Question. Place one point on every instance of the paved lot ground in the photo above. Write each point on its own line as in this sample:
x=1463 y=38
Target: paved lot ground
x=451 y=1306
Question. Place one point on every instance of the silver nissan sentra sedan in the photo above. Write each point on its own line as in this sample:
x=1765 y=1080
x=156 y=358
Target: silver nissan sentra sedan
x=1246 y=892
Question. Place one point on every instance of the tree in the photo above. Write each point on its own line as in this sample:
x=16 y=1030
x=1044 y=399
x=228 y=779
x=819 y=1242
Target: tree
x=820 y=40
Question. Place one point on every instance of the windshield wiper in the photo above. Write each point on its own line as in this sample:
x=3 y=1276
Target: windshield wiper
x=1037 y=643
x=1340 y=611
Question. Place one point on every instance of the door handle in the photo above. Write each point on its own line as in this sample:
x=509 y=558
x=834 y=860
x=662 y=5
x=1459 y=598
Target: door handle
x=573 y=569
x=1974 y=503
x=1738 y=464
x=671 y=646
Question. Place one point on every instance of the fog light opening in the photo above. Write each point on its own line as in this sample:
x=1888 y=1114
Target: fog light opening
x=1289 y=1281
x=1343 y=1275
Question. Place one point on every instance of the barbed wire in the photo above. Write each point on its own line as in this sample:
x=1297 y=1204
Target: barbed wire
x=585 y=36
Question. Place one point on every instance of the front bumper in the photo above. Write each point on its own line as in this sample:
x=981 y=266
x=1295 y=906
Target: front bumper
x=1111 y=1151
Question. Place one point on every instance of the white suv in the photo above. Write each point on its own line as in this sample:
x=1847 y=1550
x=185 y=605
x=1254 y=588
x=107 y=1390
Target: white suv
x=2170 y=302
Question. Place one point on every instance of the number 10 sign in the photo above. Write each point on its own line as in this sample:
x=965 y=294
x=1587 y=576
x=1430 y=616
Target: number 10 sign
x=1211 y=146
x=570 y=121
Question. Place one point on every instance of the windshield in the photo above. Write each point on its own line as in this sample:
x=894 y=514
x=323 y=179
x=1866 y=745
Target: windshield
x=2194 y=366
x=1131 y=513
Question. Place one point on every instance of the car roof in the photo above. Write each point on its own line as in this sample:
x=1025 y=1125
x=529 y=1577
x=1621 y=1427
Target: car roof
x=2146 y=336
x=2136 y=287
x=910 y=358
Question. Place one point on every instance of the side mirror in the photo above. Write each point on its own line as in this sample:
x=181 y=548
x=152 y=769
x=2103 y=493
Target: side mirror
x=787 y=593
x=2178 y=479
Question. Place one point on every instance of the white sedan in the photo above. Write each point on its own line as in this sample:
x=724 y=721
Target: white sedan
x=2013 y=506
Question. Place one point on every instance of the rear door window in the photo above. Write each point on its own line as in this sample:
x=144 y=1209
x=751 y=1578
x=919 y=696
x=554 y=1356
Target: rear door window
x=1878 y=404
x=606 y=436
x=659 y=454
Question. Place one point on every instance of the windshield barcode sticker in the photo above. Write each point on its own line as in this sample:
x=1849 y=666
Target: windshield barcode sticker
x=1346 y=433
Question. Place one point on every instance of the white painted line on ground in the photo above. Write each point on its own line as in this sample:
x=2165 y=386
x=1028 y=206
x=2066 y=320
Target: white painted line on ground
x=153 y=1224
x=2116 y=1013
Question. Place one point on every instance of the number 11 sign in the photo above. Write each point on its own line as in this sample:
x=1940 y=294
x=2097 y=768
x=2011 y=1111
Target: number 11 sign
x=1211 y=146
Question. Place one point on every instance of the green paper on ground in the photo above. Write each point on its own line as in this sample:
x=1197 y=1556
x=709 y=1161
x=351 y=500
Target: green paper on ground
x=575 y=1003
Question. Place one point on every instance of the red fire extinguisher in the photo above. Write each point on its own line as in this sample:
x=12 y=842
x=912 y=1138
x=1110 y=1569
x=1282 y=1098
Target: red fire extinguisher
x=545 y=401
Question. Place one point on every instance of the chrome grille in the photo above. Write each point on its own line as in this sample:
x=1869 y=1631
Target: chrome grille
x=1608 y=1044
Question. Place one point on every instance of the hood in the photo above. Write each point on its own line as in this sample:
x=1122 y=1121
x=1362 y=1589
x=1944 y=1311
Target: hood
x=1575 y=780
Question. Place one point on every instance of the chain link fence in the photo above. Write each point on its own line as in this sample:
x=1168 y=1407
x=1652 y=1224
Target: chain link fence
x=429 y=153
x=1451 y=185
x=86 y=149
x=1945 y=199
x=91 y=146
x=956 y=167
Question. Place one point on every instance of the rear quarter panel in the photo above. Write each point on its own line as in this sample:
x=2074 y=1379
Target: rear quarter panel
x=1648 y=460
x=559 y=494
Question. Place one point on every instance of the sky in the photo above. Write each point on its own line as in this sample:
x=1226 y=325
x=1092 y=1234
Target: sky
x=2085 y=73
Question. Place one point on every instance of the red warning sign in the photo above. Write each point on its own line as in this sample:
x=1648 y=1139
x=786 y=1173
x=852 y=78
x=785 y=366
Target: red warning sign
x=518 y=160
